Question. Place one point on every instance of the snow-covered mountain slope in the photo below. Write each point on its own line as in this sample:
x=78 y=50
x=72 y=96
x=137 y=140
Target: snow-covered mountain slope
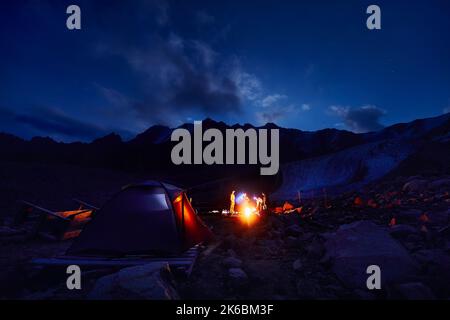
x=342 y=170
x=377 y=154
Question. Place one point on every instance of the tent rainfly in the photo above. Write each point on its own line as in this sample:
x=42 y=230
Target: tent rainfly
x=147 y=218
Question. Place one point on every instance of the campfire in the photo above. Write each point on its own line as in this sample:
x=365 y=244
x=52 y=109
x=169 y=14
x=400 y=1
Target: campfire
x=246 y=209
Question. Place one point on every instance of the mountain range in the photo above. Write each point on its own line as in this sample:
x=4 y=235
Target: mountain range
x=309 y=160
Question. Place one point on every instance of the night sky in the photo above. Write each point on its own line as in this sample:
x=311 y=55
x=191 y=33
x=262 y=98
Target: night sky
x=302 y=64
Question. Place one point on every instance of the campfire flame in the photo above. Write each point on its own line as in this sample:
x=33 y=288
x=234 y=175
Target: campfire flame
x=249 y=214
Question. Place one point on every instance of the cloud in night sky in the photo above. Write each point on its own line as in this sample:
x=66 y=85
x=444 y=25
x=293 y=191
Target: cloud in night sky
x=361 y=119
x=275 y=107
x=250 y=87
x=178 y=76
x=306 y=107
x=184 y=77
x=271 y=100
x=54 y=122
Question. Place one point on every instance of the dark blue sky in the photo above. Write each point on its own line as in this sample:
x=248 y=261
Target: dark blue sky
x=303 y=64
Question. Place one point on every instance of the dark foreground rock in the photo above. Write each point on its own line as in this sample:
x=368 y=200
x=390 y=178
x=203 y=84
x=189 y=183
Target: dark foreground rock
x=146 y=282
x=415 y=291
x=354 y=247
x=237 y=277
x=232 y=262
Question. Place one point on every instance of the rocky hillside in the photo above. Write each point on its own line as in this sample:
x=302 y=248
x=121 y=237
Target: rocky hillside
x=422 y=146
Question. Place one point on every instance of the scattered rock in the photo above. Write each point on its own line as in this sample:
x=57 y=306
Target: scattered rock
x=297 y=265
x=271 y=247
x=402 y=230
x=231 y=253
x=438 y=259
x=315 y=250
x=232 y=262
x=145 y=282
x=237 y=277
x=276 y=234
x=415 y=185
x=356 y=246
x=292 y=241
x=237 y=273
x=7 y=231
x=294 y=230
x=308 y=289
x=415 y=291
x=440 y=183
x=307 y=236
x=229 y=241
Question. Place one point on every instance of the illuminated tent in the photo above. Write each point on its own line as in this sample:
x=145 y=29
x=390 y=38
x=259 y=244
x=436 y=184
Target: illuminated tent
x=147 y=218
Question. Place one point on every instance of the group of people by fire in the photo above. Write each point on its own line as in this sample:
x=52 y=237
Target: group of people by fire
x=242 y=203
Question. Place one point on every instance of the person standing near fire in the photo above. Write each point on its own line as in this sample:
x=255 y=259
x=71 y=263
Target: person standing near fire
x=259 y=201
x=264 y=205
x=232 y=202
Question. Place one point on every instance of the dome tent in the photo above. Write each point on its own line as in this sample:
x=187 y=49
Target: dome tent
x=147 y=218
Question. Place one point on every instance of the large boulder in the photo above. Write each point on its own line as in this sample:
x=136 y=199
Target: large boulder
x=146 y=282
x=237 y=277
x=354 y=247
x=415 y=185
x=414 y=291
x=232 y=262
x=440 y=183
x=293 y=230
x=315 y=249
x=402 y=230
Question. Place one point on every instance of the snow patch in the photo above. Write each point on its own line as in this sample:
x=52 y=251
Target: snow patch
x=357 y=165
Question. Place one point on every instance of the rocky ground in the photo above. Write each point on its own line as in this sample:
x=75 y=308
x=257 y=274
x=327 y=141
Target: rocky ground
x=319 y=251
x=401 y=225
x=53 y=187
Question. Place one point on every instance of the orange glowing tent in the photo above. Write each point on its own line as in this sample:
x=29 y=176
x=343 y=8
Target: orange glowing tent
x=147 y=218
